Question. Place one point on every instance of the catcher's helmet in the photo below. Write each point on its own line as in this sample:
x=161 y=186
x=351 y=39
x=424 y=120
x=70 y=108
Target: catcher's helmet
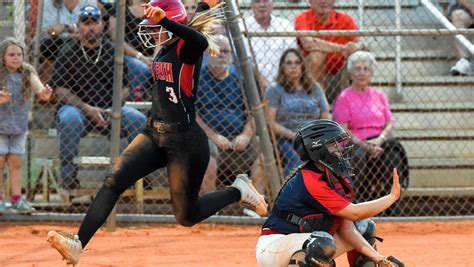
x=148 y=29
x=311 y=143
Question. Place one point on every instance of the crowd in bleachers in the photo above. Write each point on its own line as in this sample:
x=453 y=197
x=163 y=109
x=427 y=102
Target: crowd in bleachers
x=313 y=78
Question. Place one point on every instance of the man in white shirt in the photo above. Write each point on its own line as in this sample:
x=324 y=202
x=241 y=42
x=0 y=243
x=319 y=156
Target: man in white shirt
x=266 y=49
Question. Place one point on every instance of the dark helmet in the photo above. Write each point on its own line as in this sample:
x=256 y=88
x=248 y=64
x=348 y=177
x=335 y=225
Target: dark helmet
x=148 y=29
x=311 y=143
x=320 y=248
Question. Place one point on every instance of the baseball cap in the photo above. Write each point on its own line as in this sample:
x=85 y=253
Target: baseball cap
x=89 y=12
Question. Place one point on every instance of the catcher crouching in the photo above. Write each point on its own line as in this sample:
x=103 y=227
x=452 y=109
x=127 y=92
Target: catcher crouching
x=314 y=220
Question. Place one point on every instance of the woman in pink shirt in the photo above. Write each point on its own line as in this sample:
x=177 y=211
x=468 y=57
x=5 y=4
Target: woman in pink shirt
x=364 y=112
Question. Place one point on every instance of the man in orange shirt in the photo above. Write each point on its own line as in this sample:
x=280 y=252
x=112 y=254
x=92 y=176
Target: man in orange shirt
x=326 y=55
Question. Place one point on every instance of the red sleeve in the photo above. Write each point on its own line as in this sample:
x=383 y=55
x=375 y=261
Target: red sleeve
x=299 y=22
x=350 y=25
x=327 y=197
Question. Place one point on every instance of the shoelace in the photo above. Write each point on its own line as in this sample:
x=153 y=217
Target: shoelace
x=252 y=200
x=70 y=239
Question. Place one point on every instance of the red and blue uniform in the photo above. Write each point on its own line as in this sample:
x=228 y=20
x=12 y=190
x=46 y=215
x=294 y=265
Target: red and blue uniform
x=310 y=193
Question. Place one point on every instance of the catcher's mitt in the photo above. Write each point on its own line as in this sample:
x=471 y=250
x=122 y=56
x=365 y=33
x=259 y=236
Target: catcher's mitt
x=390 y=261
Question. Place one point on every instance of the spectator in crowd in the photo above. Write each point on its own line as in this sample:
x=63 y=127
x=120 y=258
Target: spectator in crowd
x=326 y=55
x=267 y=48
x=137 y=57
x=58 y=26
x=293 y=99
x=18 y=83
x=221 y=113
x=364 y=112
x=461 y=12
x=83 y=81
x=190 y=7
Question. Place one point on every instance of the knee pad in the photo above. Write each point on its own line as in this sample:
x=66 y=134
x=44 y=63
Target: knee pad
x=319 y=249
x=368 y=229
x=298 y=259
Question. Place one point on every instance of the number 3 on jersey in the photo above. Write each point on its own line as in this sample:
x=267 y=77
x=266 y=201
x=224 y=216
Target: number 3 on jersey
x=172 y=96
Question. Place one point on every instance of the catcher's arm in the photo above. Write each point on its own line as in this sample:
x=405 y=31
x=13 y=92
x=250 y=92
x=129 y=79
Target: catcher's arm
x=356 y=212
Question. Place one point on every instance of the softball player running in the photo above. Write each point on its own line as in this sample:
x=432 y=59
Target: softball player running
x=172 y=137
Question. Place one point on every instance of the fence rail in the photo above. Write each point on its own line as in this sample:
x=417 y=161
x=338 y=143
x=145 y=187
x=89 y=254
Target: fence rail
x=433 y=111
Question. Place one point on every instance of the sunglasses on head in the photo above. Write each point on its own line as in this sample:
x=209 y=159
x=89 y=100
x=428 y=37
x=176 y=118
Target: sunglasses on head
x=89 y=13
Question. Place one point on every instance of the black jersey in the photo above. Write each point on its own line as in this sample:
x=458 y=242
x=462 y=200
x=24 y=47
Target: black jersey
x=175 y=72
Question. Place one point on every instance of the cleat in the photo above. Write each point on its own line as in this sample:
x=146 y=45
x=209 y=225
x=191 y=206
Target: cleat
x=249 y=196
x=67 y=244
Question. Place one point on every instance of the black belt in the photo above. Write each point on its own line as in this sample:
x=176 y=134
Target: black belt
x=163 y=127
x=288 y=216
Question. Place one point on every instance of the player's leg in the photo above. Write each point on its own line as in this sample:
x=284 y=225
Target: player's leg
x=317 y=251
x=187 y=164
x=139 y=159
x=359 y=243
x=275 y=250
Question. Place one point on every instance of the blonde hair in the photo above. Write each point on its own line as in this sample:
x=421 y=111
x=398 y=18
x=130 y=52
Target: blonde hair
x=207 y=22
x=25 y=69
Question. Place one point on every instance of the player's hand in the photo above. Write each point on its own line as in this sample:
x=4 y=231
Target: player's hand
x=395 y=193
x=5 y=96
x=241 y=142
x=153 y=13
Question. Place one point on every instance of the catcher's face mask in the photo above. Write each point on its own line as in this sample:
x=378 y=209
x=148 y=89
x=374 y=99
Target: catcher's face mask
x=339 y=148
x=339 y=155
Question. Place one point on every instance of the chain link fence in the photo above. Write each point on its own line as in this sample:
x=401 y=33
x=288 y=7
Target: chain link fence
x=67 y=156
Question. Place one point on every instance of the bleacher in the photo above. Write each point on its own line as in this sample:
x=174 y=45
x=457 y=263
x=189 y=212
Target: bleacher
x=434 y=111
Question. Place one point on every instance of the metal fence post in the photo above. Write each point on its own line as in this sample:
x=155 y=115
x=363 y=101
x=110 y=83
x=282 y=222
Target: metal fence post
x=254 y=99
x=37 y=39
x=117 y=99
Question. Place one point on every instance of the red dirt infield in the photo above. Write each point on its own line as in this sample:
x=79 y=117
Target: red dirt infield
x=436 y=243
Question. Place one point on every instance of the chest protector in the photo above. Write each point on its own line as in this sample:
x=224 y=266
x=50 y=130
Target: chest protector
x=319 y=221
